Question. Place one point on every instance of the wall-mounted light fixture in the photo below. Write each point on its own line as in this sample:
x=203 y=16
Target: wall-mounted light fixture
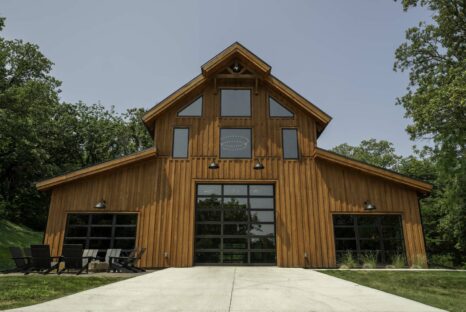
x=368 y=205
x=101 y=205
x=213 y=165
x=258 y=165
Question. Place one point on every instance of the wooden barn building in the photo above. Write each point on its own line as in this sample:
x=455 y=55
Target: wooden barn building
x=235 y=177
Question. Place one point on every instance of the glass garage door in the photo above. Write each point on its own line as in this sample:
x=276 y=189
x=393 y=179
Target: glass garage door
x=380 y=236
x=235 y=224
x=102 y=231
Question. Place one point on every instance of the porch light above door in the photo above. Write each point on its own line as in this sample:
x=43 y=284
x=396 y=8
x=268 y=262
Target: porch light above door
x=213 y=165
x=368 y=205
x=258 y=166
x=101 y=205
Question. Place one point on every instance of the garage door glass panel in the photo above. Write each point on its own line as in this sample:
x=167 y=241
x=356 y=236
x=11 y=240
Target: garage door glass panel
x=362 y=235
x=261 y=190
x=208 y=243
x=262 y=216
x=209 y=189
x=261 y=203
x=233 y=189
x=241 y=218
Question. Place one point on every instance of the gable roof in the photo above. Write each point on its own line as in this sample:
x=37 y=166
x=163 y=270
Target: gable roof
x=98 y=168
x=418 y=185
x=221 y=60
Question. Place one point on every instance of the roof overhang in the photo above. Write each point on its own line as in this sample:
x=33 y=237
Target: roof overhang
x=95 y=169
x=421 y=187
x=221 y=60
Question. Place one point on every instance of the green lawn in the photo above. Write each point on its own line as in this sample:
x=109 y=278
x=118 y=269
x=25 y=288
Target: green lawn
x=19 y=291
x=445 y=290
x=15 y=235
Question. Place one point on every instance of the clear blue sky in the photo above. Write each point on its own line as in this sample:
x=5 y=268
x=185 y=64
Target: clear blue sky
x=338 y=54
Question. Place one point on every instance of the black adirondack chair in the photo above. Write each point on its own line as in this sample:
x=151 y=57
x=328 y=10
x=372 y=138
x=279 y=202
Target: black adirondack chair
x=72 y=256
x=41 y=261
x=22 y=261
x=128 y=264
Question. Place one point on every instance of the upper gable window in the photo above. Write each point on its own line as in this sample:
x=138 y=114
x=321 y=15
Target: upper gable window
x=192 y=110
x=235 y=143
x=180 y=142
x=290 y=143
x=277 y=110
x=235 y=102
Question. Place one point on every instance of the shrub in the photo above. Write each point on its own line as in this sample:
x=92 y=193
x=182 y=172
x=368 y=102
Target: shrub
x=398 y=261
x=442 y=260
x=419 y=262
x=369 y=260
x=348 y=261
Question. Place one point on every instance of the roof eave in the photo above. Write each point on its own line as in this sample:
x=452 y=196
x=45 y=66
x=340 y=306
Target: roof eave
x=421 y=187
x=95 y=169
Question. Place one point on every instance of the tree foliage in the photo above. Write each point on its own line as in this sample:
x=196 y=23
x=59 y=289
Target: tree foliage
x=41 y=137
x=434 y=54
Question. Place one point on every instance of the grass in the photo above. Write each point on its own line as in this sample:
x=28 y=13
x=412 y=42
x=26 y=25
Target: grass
x=15 y=235
x=445 y=289
x=20 y=291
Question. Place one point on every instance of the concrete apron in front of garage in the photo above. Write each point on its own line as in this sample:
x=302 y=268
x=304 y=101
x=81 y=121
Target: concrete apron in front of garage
x=232 y=289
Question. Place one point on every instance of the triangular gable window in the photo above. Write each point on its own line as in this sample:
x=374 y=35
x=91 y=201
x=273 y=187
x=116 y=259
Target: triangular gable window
x=192 y=110
x=277 y=110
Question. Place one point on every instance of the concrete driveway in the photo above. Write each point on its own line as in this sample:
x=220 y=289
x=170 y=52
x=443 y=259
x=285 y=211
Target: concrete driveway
x=231 y=289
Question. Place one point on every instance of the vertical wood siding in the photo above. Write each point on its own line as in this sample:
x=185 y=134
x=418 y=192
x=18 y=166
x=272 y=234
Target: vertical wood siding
x=161 y=190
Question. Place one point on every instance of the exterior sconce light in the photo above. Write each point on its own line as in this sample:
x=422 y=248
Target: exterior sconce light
x=368 y=205
x=165 y=255
x=213 y=165
x=101 y=205
x=305 y=255
x=258 y=165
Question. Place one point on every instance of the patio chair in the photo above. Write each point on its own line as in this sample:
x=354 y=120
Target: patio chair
x=22 y=261
x=111 y=253
x=41 y=261
x=90 y=253
x=127 y=263
x=74 y=259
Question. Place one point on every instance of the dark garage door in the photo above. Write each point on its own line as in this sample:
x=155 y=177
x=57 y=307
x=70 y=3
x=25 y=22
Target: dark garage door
x=379 y=236
x=235 y=224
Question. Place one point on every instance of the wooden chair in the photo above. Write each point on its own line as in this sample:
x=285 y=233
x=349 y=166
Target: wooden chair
x=74 y=259
x=22 y=261
x=90 y=253
x=41 y=261
x=127 y=263
x=110 y=254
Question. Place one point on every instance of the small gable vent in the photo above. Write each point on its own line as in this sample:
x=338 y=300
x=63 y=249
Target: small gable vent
x=278 y=110
x=192 y=110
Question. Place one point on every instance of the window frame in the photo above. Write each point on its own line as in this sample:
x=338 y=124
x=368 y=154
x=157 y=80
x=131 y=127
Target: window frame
x=283 y=144
x=192 y=102
x=236 y=116
x=173 y=143
x=251 y=154
x=279 y=103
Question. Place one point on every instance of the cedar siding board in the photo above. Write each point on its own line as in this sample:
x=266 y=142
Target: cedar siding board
x=308 y=190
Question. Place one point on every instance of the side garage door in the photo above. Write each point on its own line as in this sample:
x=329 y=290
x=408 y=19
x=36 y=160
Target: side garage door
x=379 y=236
x=235 y=224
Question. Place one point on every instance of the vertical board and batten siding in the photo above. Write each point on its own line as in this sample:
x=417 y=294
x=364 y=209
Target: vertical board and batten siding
x=162 y=190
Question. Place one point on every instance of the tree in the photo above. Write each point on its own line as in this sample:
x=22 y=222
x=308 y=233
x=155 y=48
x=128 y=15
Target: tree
x=28 y=97
x=378 y=153
x=435 y=56
x=41 y=137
